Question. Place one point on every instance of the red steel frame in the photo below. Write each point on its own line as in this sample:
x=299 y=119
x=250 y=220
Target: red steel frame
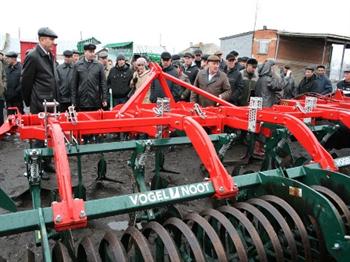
x=134 y=116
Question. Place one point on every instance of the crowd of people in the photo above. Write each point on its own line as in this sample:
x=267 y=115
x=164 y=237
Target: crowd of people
x=87 y=82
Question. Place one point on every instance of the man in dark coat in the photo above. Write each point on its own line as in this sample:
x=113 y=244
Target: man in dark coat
x=40 y=80
x=324 y=84
x=308 y=84
x=269 y=85
x=65 y=74
x=39 y=75
x=213 y=81
x=13 y=93
x=235 y=78
x=119 y=80
x=89 y=89
x=2 y=87
x=289 y=90
x=345 y=83
x=249 y=78
x=156 y=89
x=190 y=68
x=198 y=57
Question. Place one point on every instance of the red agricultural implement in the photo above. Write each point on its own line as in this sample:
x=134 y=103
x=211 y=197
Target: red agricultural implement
x=294 y=212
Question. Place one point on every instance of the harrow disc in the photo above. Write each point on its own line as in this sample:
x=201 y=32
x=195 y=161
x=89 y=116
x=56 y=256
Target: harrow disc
x=265 y=229
x=60 y=253
x=111 y=249
x=185 y=240
x=86 y=251
x=207 y=237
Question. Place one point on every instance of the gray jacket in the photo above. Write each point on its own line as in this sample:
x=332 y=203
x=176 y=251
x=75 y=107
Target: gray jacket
x=269 y=85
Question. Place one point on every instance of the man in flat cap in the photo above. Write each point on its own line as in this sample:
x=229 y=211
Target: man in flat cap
x=345 y=83
x=156 y=88
x=13 y=93
x=249 y=78
x=89 y=89
x=76 y=55
x=40 y=80
x=198 y=57
x=235 y=79
x=190 y=68
x=308 y=84
x=222 y=66
x=39 y=76
x=103 y=59
x=213 y=81
x=119 y=80
x=65 y=74
x=2 y=87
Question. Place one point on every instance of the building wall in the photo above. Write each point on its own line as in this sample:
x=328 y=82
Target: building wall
x=271 y=37
x=299 y=52
x=242 y=44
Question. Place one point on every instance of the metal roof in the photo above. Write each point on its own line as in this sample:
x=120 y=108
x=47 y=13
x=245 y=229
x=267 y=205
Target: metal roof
x=330 y=37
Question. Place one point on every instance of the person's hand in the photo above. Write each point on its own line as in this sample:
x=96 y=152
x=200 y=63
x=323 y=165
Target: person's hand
x=104 y=103
x=288 y=73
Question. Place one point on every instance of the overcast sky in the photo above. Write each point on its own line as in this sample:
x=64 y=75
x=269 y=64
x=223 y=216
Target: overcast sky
x=178 y=22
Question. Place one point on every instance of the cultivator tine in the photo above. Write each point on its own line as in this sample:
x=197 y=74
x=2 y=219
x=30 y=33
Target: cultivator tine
x=86 y=251
x=111 y=249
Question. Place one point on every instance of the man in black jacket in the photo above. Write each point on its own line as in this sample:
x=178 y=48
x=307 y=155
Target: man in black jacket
x=345 y=83
x=119 y=80
x=190 y=68
x=39 y=76
x=65 y=73
x=156 y=89
x=13 y=93
x=40 y=80
x=235 y=79
x=89 y=89
x=308 y=84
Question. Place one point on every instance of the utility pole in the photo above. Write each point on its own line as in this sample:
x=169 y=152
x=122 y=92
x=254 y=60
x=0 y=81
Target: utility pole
x=254 y=27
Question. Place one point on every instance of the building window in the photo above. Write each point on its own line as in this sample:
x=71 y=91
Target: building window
x=263 y=47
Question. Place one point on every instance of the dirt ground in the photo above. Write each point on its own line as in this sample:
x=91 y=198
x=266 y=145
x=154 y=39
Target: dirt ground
x=182 y=159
